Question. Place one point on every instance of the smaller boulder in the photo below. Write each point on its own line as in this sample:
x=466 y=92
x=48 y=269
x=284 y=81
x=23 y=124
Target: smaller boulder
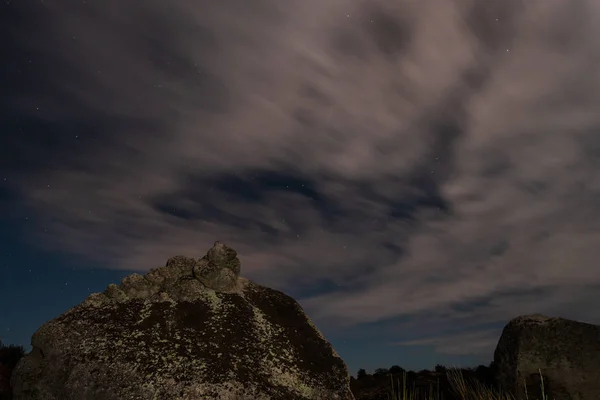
x=566 y=352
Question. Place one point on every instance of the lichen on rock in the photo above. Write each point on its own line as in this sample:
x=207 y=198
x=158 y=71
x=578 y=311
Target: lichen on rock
x=193 y=329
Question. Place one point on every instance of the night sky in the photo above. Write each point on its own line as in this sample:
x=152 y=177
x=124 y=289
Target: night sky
x=414 y=173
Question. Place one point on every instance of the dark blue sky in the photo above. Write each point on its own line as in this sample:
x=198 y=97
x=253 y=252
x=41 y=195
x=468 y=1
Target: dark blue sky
x=415 y=174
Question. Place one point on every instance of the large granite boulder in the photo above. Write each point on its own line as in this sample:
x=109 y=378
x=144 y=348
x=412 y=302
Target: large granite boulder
x=566 y=352
x=192 y=329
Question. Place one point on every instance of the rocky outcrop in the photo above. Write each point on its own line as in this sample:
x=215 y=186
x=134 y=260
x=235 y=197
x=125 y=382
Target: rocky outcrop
x=192 y=329
x=566 y=352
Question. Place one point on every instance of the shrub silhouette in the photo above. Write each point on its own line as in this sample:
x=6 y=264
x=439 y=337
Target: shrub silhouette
x=9 y=357
x=486 y=375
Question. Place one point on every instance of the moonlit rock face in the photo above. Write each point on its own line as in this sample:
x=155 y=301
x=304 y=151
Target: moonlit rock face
x=190 y=330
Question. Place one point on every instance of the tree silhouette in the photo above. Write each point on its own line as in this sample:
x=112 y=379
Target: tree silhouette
x=420 y=383
x=396 y=369
x=440 y=368
x=362 y=374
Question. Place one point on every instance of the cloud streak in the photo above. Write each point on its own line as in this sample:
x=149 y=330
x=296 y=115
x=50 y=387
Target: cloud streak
x=428 y=159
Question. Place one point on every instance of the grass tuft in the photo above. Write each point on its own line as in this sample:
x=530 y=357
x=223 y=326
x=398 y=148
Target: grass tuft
x=472 y=390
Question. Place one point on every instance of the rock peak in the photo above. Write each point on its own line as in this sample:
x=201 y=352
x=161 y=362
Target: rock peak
x=219 y=269
x=182 y=278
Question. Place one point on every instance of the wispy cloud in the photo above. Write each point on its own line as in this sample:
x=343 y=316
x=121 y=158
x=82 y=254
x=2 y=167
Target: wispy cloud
x=464 y=343
x=419 y=156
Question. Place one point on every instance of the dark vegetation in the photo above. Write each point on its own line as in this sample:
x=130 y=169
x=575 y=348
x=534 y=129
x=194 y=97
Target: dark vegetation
x=421 y=385
x=9 y=357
